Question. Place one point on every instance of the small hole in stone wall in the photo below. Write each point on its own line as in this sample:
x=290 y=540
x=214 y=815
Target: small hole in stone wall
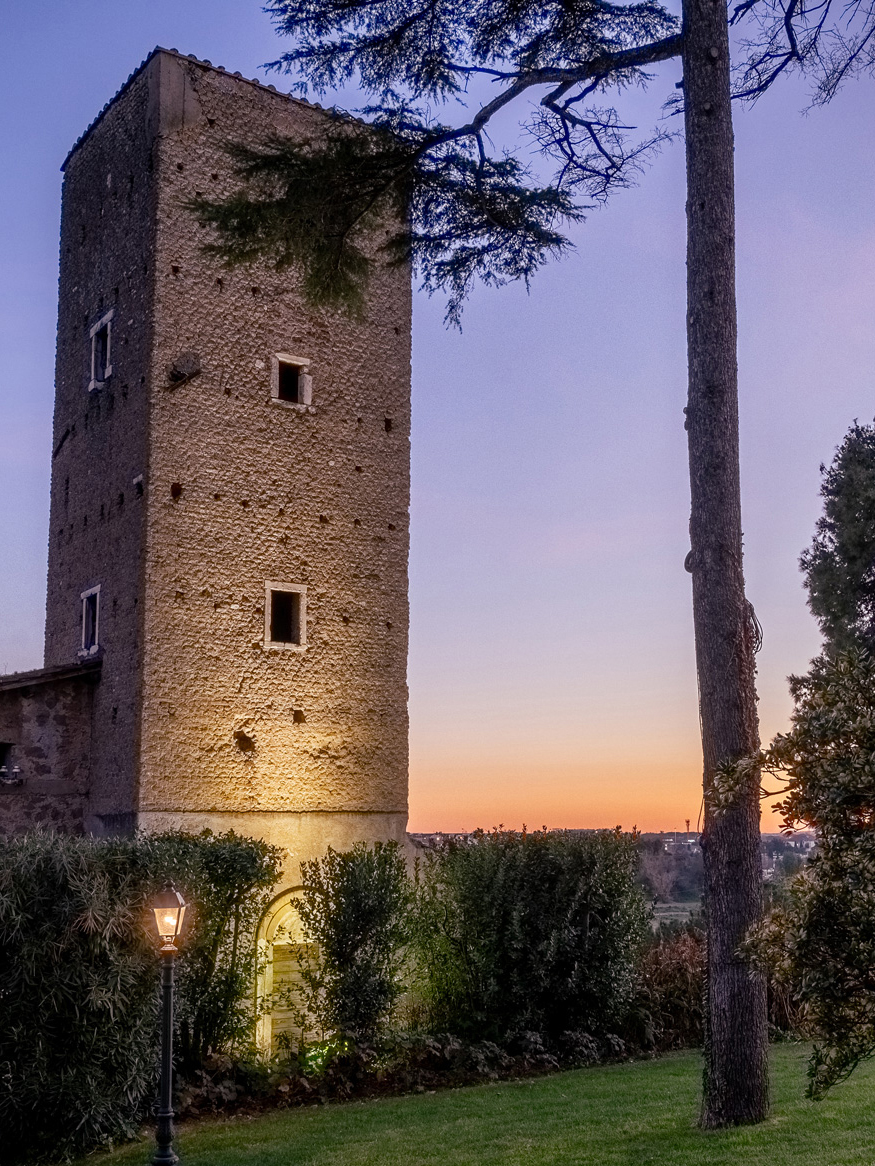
x=214 y=177
x=179 y=166
x=323 y=518
x=220 y=283
x=138 y=487
x=176 y=490
x=345 y=618
x=114 y=714
x=174 y=269
x=211 y=121
x=358 y=469
x=102 y=512
x=397 y=331
x=85 y=520
x=245 y=503
x=388 y=626
x=356 y=522
x=217 y=497
x=391 y=526
x=298 y=716
x=387 y=424
x=244 y=742
x=256 y=291
x=121 y=499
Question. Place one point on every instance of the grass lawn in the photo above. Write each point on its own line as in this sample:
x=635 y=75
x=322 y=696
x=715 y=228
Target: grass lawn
x=617 y=1115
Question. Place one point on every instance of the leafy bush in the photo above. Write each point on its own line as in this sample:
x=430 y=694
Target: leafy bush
x=229 y=881
x=355 y=908
x=819 y=941
x=77 y=994
x=529 y=933
x=79 y=976
x=668 y=1012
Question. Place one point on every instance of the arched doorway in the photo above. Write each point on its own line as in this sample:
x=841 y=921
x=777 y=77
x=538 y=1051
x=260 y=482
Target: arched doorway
x=281 y=948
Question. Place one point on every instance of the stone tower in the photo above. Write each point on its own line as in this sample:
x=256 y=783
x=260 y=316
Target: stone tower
x=229 y=507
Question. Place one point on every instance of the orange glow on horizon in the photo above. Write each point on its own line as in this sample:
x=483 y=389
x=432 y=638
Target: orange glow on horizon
x=656 y=797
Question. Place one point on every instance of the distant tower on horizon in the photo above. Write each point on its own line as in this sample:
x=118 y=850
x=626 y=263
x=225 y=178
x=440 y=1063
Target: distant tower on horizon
x=227 y=614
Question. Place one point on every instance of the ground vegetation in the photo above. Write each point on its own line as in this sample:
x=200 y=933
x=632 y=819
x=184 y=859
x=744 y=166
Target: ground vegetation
x=601 y=1116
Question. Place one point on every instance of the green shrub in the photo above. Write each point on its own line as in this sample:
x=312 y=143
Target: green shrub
x=79 y=976
x=229 y=881
x=77 y=994
x=520 y=933
x=668 y=1012
x=355 y=910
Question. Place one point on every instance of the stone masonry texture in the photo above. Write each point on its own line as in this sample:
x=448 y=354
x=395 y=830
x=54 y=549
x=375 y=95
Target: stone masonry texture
x=181 y=487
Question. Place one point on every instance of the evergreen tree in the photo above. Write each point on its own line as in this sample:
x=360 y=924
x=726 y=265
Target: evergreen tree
x=465 y=212
x=839 y=566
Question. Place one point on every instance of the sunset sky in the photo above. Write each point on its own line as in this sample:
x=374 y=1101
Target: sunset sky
x=551 y=661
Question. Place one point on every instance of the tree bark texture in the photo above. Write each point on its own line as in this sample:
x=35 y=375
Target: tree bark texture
x=736 y=1068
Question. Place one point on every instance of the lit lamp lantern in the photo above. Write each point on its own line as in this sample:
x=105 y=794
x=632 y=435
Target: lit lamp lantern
x=169 y=908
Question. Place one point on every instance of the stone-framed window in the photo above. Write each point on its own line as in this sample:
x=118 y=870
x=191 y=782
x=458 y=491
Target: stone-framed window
x=90 y=621
x=285 y=615
x=290 y=380
x=101 y=351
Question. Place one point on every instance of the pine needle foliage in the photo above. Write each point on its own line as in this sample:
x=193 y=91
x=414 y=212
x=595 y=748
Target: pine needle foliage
x=439 y=195
x=839 y=566
x=400 y=183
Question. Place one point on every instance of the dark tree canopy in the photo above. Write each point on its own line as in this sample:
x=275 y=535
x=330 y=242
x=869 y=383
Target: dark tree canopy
x=839 y=566
x=473 y=211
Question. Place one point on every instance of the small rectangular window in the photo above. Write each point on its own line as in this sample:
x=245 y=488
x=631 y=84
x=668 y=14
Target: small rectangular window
x=290 y=379
x=10 y=774
x=285 y=615
x=90 y=620
x=289 y=382
x=101 y=351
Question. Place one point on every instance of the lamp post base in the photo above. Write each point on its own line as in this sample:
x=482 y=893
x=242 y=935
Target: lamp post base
x=164 y=1155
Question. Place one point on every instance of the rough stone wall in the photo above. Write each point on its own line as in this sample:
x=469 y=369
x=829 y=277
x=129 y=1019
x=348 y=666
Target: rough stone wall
x=243 y=489
x=47 y=721
x=97 y=520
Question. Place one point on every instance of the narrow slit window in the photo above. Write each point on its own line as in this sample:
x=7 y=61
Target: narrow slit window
x=285 y=618
x=101 y=351
x=90 y=620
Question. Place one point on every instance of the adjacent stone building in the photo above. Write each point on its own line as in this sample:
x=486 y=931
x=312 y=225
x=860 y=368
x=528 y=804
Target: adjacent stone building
x=226 y=623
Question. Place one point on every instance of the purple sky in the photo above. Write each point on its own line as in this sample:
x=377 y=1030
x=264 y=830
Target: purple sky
x=551 y=665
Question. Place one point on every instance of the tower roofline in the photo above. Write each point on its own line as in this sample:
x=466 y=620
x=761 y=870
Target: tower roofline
x=195 y=61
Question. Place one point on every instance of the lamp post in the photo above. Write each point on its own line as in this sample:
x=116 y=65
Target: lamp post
x=169 y=908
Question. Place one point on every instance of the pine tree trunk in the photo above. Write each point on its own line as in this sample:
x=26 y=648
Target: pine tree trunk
x=736 y=1067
